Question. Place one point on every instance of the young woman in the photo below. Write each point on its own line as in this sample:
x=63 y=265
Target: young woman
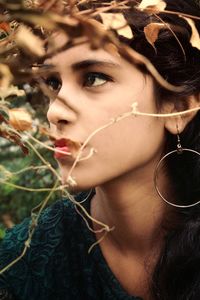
x=153 y=252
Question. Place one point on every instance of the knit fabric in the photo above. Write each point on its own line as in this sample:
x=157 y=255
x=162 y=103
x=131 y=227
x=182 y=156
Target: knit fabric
x=57 y=266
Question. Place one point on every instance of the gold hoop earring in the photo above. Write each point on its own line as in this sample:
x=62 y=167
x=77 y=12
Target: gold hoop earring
x=178 y=152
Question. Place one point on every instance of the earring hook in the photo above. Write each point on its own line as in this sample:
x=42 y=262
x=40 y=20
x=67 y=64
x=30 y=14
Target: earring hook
x=178 y=146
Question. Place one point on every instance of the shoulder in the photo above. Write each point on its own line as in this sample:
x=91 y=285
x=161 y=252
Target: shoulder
x=48 y=241
x=48 y=256
x=50 y=225
x=55 y=222
x=51 y=218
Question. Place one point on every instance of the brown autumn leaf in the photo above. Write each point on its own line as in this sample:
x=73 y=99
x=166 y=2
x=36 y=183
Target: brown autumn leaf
x=5 y=27
x=99 y=38
x=29 y=42
x=6 y=76
x=11 y=91
x=151 y=32
x=44 y=20
x=50 y=21
x=118 y=22
x=14 y=138
x=195 y=38
x=156 y=5
x=4 y=32
x=3 y=119
x=20 y=119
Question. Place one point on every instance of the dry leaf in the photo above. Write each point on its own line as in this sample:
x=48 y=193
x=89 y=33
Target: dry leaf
x=118 y=22
x=11 y=91
x=20 y=119
x=99 y=37
x=5 y=26
x=195 y=38
x=6 y=77
x=152 y=31
x=31 y=43
x=12 y=137
x=157 y=5
x=4 y=30
x=43 y=20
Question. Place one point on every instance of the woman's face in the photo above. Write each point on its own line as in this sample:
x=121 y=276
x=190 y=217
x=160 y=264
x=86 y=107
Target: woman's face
x=95 y=87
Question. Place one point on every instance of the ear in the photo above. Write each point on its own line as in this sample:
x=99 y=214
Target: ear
x=171 y=123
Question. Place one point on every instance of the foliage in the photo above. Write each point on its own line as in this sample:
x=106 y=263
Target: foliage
x=2 y=233
x=20 y=204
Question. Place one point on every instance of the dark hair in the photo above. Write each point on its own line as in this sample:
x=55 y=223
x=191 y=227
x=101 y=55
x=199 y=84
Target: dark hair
x=177 y=273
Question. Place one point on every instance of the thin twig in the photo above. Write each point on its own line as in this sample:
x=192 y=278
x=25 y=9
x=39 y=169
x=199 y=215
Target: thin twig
x=33 y=225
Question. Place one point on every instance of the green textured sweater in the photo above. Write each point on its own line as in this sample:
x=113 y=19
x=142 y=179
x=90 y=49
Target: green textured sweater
x=57 y=266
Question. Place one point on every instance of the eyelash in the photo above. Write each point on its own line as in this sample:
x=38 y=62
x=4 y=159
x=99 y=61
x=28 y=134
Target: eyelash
x=99 y=76
x=55 y=83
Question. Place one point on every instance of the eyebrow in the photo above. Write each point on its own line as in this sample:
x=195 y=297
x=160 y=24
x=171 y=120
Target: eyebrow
x=87 y=63
x=91 y=62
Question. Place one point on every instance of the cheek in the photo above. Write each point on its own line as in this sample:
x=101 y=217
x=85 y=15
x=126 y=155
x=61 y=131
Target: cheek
x=130 y=143
x=123 y=147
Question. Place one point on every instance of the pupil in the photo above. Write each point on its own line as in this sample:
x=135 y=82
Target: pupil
x=53 y=83
x=91 y=79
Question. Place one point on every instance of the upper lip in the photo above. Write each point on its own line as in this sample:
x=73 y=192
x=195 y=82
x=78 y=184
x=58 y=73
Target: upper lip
x=66 y=142
x=61 y=142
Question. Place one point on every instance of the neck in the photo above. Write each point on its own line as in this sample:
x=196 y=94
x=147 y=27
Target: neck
x=135 y=211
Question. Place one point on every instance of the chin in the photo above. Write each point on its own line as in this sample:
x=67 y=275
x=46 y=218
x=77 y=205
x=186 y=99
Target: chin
x=79 y=187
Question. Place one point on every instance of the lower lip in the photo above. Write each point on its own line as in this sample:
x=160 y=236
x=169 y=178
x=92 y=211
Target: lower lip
x=59 y=155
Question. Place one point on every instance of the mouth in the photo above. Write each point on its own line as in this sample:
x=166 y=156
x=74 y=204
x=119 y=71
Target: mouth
x=66 y=148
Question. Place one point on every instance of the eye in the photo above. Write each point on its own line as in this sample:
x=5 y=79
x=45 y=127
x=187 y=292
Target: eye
x=93 y=79
x=53 y=82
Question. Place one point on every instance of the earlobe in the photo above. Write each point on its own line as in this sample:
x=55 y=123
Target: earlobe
x=191 y=103
x=172 y=123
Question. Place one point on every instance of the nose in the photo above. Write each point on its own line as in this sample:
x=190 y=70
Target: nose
x=59 y=113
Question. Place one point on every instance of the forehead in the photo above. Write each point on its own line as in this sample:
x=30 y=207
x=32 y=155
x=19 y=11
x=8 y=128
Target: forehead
x=82 y=52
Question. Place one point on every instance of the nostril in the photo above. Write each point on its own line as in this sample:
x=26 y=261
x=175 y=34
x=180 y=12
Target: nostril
x=63 y=122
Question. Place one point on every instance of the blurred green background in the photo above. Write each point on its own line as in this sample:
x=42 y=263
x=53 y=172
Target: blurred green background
x=17 y=204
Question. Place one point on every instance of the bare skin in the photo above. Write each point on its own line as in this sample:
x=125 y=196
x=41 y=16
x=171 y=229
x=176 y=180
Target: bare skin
x=127 y=152
x=131 y=250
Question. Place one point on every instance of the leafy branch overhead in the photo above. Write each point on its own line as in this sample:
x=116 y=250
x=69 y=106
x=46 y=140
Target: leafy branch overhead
x=28 y=27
